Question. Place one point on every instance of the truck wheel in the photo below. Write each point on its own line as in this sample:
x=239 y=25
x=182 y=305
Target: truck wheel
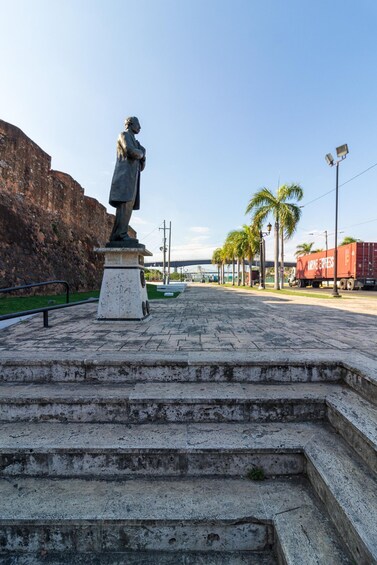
x=351 y=284
x=315 y=284
x=342 y=284
x=300 y=283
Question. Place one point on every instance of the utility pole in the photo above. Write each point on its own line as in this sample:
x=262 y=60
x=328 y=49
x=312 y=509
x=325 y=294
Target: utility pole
x=163 y=249
x=166 y=273
x=169 y=252
x=327 y=247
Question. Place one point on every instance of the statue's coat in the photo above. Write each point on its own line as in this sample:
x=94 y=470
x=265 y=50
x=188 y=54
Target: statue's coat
x=125 y=185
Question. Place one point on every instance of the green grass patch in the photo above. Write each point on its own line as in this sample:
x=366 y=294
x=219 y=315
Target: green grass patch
x=256 y=474
x=283 y=291
x=10 y=304
x=154 y=294
x=298 y=293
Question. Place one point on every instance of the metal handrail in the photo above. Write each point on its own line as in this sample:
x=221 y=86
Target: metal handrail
x=45 y=310
x=22 y=287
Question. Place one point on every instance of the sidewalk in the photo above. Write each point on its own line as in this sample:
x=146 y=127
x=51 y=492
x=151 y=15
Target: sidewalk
x=208 y=318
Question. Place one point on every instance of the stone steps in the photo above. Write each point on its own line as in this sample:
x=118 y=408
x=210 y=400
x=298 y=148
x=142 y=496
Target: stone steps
x=164 y=402
x=346 y=485
x=175 y=450
x=348 y=488
x=97 y=463
x=220 y=517
x=145 y=558
x=356 y=420
x=115 y=367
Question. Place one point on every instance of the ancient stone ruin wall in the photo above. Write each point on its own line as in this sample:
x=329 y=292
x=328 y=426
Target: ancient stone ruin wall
x=48 y=227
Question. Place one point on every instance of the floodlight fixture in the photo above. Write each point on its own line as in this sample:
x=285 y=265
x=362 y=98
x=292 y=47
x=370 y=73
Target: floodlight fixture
x=329 y=159
x=342 y=151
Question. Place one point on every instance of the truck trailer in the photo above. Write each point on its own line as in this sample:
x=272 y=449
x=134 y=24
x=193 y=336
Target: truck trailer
x=356 y=269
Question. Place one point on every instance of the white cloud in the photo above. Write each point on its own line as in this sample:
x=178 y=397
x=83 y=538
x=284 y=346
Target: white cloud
x=137 y=221
x=192 y=250
x=200 y=229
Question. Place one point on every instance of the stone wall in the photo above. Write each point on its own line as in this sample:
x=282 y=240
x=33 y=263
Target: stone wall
x=48 y=227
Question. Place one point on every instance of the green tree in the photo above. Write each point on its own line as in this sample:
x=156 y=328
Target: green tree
x=251 y=243
x=304 y=248
x=217 y=260
x=175 y=276
x=230 y=251
x=348 y=239
x=227 y=257
x=233 y=240
x=286 y=215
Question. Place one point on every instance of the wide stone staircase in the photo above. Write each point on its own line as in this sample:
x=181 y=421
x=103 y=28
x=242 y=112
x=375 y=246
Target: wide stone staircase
x=170 y=462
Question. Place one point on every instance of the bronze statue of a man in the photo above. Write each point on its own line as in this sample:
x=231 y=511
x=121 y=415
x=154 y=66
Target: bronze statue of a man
x=125 y=186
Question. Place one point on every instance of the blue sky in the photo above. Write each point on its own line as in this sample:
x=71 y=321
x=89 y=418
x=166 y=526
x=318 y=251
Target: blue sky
x=231 y=96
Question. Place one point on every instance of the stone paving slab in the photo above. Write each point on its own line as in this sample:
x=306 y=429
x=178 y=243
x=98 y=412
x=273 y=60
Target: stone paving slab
x=210 y=319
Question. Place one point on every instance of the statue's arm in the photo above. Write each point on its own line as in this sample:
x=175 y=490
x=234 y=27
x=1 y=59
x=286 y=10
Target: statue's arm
x=142 y=161
x=129 y=148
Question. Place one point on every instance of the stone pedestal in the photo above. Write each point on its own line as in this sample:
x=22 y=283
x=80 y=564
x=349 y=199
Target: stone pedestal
x=123 y=291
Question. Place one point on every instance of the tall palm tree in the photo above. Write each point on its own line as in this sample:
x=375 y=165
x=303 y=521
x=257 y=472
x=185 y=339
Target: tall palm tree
x=304 y=249
x=227 y=252
x=241 y=248
x=349 y=239
x=231 y=244
x=235 y=238
x=285 y=213
x=217 y=260
x=251 y=244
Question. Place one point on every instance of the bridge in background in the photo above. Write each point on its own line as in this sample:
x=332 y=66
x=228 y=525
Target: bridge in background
x=194 y=262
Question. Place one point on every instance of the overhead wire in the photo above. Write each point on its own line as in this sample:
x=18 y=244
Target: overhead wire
x=144 y=237
x=342 y=184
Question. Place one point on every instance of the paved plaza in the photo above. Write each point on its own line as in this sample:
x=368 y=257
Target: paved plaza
x=210 y=319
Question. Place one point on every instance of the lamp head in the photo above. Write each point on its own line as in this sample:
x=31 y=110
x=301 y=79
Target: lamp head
x=329 y=159
x=342 y=151
x=269 y=226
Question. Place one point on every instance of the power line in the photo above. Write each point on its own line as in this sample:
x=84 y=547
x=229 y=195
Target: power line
x=150 y=233
x=359 y=175
x=361 y=223
x=343 y=183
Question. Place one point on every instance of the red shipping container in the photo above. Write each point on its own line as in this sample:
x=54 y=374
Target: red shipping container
x=356 y=261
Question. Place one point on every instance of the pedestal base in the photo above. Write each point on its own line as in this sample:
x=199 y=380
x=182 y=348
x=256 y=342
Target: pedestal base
x=123 y=293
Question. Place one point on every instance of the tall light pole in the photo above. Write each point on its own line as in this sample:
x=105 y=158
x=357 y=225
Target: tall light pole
x=341 y=152
x=262 y=253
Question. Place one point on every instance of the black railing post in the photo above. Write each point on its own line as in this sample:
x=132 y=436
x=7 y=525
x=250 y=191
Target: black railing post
x=67 y=298
x=45 y=319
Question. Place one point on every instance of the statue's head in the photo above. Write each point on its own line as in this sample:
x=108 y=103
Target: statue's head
x=132 y=123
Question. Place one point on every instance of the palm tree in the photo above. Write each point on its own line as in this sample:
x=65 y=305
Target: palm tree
x=217 y=260
x=349 y=239
x=304 y=249
x=251 y=245
x=286 y=215
x=234 y=237
x=231 y=244
x=227 y=252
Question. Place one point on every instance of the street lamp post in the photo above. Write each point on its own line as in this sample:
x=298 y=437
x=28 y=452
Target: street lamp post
x=341 y=153
x=262 y=253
